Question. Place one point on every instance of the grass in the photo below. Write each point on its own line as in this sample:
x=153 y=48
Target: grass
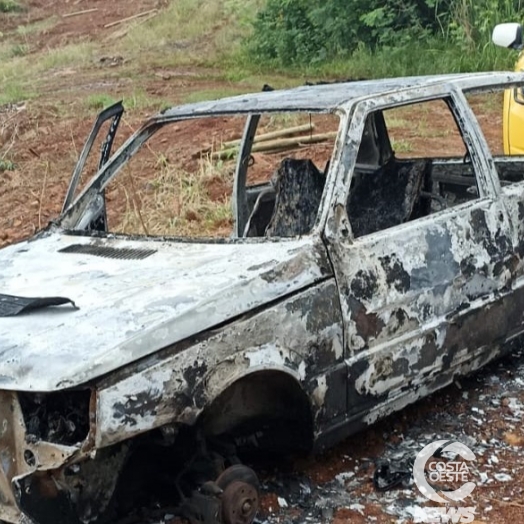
x=72 y=55
x=6 y=165
x=99 y=101
x=177 y=202
x=211 y=94
x=191 y=32
x=402 y=146
x=135 y=100
x=21 y=75
x=211 y=33
x=10 y=6
x=19 y=50
x=37 y=27
x=14 y=92
x=434 y=57
x=395 y=122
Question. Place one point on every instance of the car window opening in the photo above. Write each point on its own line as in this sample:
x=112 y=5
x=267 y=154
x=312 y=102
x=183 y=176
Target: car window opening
x=397 y=179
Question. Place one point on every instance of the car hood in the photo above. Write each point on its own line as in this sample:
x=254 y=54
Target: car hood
x=131 y=307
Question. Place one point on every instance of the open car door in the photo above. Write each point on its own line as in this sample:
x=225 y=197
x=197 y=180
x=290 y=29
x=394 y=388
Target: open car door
x=114 y=114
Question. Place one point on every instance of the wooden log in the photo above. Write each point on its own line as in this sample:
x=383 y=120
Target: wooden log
x=78 y=13
x=271 y=145
x=129 y=18
x=299 y=140
x=279 y=133
x=231 y=144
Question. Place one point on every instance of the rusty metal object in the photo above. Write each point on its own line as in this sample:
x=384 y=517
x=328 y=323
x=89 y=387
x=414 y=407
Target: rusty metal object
x=238 y=472
x=239 y=503
x=240 y=497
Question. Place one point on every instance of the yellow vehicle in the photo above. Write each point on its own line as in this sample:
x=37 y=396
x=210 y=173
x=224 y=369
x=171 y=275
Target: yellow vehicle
x=511 y=36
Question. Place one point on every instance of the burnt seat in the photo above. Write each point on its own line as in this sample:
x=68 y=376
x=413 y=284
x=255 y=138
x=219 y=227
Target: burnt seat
x=299 y=186
x=390 y=196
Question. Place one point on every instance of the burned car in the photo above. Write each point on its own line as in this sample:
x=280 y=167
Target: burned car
x=350 y=274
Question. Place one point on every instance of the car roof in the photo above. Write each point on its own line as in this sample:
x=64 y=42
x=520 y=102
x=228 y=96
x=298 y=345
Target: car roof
x=329 y=97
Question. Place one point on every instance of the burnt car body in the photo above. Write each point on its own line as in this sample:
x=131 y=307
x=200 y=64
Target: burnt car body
x=361 y=290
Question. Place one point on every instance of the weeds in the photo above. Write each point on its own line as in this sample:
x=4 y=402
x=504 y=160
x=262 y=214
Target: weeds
x=99 y=101
x=401 y=146
x=10 y=6
x=375 y=38
x=192 y=31
x=179 y=203
x=6 y=165
x=14 y=92
x=210 y=94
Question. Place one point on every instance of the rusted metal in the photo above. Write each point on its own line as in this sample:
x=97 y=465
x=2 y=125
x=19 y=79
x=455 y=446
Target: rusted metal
x=239 y=503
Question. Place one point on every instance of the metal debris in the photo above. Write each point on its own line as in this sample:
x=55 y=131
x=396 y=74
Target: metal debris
x=12 y=305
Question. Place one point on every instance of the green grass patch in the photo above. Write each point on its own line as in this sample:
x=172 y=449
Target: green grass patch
x=396 y=122
x=10 y=6
x=211 y=94
x=38 y=27
x=99 y=101
x=20 y=73
x=402 y=146
x=6 y=165
x=18 y=50
x=426 y=58
x=192 y=32
x=24 y=68
x=136 y=100
x=73 y=55
x=14 y=92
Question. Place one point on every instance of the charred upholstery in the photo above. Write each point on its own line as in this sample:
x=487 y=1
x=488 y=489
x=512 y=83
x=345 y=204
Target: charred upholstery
x=387 y=197
x=299 y=186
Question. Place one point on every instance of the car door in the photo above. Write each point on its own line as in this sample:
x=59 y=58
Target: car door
x=514 y=120
x=419 y=285
x=514 y=116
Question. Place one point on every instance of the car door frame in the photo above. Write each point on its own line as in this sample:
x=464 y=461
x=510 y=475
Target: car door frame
x=338 y=229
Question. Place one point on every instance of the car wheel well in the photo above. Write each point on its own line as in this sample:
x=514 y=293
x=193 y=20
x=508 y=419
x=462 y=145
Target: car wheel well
x=263 y=406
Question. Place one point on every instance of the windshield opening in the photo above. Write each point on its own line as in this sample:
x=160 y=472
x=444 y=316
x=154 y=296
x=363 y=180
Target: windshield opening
x=180 y=182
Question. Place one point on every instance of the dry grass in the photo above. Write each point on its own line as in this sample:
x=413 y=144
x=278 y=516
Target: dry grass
x=177 y=202
x=20 y=75
x=190 y=32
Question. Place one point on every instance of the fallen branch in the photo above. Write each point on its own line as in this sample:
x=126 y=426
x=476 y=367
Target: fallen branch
x=129 y=18
x=270 y=145
x=78 y=13
x=506 y=503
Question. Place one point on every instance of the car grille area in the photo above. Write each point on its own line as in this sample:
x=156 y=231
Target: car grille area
x=60 y=418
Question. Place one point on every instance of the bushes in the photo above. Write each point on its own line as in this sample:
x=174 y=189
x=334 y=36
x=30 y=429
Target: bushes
x=310 y=31
x=9 y=6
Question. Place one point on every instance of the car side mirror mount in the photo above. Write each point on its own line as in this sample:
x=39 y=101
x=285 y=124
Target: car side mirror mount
x=508 y=35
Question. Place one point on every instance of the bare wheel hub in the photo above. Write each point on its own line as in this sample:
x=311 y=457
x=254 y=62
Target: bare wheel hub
x=240 y=494
x=239 y=503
